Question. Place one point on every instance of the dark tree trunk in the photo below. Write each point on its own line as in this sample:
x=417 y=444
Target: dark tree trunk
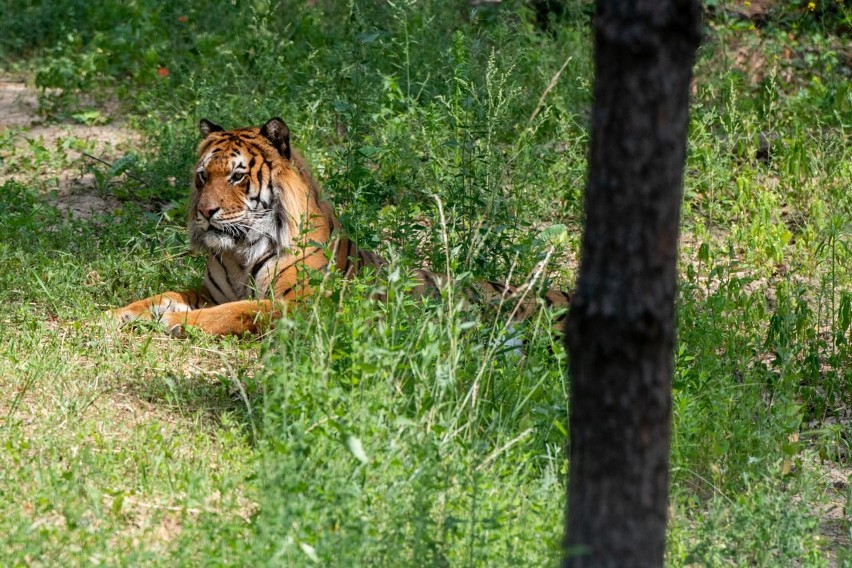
x=620 y=330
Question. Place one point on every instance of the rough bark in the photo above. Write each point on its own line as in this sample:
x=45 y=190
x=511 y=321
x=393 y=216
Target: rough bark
x=621 y=326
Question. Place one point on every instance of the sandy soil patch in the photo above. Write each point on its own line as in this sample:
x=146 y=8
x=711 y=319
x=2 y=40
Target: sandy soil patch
x=77 y=147
x=18 y=104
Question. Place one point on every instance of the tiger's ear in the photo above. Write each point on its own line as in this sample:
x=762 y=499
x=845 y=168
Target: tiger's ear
x=206 y=127
x=278 y=134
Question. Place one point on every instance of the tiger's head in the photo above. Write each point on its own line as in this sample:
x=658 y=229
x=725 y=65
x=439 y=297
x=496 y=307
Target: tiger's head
x=251 y=190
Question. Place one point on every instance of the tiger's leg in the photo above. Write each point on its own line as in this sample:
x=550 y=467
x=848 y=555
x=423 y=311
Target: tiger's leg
x=154 y=307
x=225 y=319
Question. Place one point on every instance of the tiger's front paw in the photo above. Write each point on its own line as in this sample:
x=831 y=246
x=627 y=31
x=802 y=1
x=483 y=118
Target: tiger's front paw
x=170 y=322
x=128 y=315
x=158 y=308
x=173 y=323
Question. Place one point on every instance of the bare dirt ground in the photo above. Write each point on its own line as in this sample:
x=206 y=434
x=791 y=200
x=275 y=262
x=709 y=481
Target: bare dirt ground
x=77 y=194
x=18 y=104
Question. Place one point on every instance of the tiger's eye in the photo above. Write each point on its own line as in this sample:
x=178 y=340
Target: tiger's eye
x=238 y=178
x=200 y=179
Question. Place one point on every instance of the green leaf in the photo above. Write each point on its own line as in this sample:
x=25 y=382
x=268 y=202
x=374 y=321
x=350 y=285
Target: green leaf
x=367 y=37
x=309 y=551
x=554 y=234
x=123 y=164
x=353 y=444
x=90 y=117
x=117 y=503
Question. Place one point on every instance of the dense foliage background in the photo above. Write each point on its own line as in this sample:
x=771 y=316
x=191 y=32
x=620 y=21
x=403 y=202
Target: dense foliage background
x=361 y=433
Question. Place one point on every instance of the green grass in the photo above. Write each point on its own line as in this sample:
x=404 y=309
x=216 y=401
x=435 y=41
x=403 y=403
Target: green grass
x=118 y=447
x=366 y=433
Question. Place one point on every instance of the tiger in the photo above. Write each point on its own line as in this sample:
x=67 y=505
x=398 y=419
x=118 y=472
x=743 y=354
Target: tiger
x=257 y=212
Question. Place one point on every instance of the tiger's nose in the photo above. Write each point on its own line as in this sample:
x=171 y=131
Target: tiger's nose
x=208 y=212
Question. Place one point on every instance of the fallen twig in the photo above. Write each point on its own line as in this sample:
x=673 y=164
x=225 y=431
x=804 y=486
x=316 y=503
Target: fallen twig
x=550 y=87
x=104 y=162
